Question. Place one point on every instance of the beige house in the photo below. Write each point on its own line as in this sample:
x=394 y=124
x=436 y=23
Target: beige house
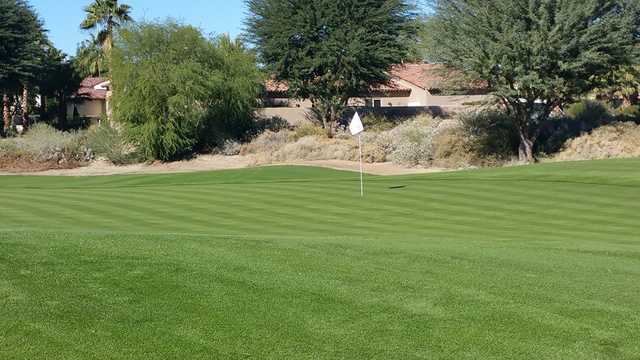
x=413 y=88
x=92 y=99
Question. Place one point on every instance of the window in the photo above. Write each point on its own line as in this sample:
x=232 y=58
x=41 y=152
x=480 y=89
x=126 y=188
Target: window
x=377 y=103
x=368 y=103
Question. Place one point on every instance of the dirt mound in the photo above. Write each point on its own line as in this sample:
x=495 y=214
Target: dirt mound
x=619 y=140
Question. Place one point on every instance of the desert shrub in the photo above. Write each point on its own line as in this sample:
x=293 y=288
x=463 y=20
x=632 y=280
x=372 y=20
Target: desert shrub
x=44 y=147
x=491 y=134
x=230 y=148
x=287 y=146
x=10 y=149
x=317 y=148
x=108 y=142
x=377 y=146
x=616 y=140
x=629 y=113
x=371 y=153
x=589 y=114
x=555 y=133
x=45 y=143
x=412 y=142
x=275 y=124
x=452 y=149
x=421 y=141
x=11 y=132
x=266 y=143
x=375 y=122
x=343 y=133
x=307 y=129
x=581 y=118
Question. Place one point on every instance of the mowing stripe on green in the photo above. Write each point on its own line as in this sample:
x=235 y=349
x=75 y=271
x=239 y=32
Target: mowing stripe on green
x=528 y=262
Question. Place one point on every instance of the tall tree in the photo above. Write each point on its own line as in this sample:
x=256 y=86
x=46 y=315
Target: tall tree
x=176 y=92
x=22 y=40
x=536 y=55
x=329 y=51
x=621 y=83
x=106 y=16
x=58 y=81
x=90 y=59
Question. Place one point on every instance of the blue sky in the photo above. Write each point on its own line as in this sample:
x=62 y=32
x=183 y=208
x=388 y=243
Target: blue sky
x=62 y=17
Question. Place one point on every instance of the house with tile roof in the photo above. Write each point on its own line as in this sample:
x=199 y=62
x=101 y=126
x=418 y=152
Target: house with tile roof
x=412 y=87
x=92 y=99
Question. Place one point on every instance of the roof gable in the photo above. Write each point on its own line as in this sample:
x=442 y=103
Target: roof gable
x=93 y=88
x=434 y=77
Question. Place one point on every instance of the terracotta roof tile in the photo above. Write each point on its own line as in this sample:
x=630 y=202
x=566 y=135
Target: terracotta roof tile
x=276 y=86
x=431 y=76
x=425 y=76
x=88 y=91
x=93 y=81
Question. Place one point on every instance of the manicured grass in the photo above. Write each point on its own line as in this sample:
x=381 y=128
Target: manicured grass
x=539 y=262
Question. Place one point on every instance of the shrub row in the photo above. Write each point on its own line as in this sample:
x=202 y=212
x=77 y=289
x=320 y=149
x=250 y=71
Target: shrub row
x=422 y=141
x=483 y=138
x=43 y=147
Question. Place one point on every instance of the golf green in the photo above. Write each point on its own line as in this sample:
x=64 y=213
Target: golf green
x=535 y=262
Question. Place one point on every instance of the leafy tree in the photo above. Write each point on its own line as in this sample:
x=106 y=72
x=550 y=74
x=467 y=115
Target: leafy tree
x=106 y=16
x=22 y=40
x=536 y=55
x=623 y=82
x=620 y=83
x=330 y=51
x=90 y=59
x=176 y=91
x=58 y=81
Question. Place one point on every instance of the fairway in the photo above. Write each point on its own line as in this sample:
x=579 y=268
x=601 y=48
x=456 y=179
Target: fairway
x=535 y=262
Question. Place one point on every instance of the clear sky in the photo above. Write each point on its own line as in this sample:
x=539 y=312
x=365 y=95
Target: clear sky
x=62 y=17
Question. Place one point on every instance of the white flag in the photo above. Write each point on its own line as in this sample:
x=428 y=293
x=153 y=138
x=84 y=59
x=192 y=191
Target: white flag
x=356 y=126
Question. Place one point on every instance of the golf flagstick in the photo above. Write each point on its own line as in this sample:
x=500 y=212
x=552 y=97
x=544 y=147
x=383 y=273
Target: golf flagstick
x=361 y=169
x=357 y=128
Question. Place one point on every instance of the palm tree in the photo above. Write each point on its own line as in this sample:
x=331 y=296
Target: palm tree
x=106 y=15
x=90 y=59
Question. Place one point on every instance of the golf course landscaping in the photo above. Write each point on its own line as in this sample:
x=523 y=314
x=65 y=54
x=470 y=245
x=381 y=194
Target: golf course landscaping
x=533 y=262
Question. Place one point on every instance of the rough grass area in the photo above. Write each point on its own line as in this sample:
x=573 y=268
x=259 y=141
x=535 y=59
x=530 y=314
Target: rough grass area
x=44 y=148
x=619 y=140
x=537 y=262
x=421 y=141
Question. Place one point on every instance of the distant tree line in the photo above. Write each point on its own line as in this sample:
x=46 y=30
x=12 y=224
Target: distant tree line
x=30 y=65
x=23 y=53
